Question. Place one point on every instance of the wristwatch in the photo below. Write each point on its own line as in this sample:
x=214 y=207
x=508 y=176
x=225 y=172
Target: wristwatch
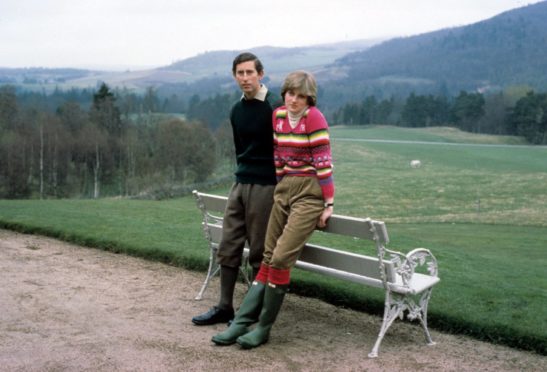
x=326 y=205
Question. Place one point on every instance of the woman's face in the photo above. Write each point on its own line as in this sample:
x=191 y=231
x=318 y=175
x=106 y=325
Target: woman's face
x=295 y=101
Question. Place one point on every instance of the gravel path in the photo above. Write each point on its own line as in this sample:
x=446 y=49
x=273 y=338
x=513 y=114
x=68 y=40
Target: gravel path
x=69 y=308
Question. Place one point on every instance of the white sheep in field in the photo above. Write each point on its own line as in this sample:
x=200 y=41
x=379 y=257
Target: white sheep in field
x=415 y=164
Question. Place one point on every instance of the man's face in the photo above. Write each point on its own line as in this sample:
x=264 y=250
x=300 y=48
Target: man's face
x=248 y=78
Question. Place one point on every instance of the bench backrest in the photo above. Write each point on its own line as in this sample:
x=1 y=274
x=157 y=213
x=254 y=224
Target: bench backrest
x=336 y=263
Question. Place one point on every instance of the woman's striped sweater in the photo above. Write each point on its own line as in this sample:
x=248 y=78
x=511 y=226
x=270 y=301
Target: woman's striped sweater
x=304 y=150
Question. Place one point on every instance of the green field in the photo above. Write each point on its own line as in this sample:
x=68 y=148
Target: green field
x=481 y=209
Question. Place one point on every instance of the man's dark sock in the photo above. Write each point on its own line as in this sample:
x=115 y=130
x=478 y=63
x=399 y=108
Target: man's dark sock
x=228 y=279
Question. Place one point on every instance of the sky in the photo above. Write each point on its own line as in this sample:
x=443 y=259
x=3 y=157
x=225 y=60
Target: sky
x=121 y=34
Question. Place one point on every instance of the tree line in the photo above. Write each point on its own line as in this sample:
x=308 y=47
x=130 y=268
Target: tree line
x=99 y=149
x=511 y=112
x=104 y=142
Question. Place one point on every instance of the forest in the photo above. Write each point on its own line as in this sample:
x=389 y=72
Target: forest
x=95 y=144
x=114 y=142
x=516 y=112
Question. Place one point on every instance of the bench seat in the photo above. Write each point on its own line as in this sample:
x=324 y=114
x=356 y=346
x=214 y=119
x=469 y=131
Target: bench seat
x=406 y=279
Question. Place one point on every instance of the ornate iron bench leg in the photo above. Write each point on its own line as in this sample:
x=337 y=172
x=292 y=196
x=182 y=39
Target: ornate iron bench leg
x=244 y=269
x=213 y=270
x=424 y=301
x=392 y=310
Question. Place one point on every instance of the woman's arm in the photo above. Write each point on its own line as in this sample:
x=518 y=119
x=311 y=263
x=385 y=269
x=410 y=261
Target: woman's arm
x=327 y=212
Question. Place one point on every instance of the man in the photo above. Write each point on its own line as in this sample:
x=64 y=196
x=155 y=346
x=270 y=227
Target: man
x=251 y=197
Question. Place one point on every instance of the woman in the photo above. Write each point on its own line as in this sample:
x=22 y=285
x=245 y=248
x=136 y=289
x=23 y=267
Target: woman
x=303 y=200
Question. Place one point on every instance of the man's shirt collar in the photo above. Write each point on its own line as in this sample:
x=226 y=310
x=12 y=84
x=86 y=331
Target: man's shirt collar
x=260 y=95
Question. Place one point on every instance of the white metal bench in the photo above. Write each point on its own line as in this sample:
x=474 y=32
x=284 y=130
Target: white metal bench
x=406 y=279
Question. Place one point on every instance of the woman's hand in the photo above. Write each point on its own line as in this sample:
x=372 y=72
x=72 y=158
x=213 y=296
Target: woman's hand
x=327 y=212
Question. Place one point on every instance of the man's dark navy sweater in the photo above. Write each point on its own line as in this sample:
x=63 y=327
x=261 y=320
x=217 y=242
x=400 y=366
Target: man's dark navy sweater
x=253 y=137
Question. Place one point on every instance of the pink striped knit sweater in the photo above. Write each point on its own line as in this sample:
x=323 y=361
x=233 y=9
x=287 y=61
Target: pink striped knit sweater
x=304 y=150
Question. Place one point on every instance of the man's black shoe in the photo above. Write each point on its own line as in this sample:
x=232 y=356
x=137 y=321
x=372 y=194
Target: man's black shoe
x=213 y=316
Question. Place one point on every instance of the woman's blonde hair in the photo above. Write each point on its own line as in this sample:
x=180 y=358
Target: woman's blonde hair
x=304 y=83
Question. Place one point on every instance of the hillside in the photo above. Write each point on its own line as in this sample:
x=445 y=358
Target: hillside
x=213 y=66
x=277 y=61
x=508 y=49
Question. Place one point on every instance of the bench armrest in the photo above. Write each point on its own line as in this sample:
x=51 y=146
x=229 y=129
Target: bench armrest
x=419 y=259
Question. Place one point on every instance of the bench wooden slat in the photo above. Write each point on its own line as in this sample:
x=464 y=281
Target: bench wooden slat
x=213 y=203
x=348 y=262
x=216 y=232
x=349 y=226
x=344 y=275
x=351 y=263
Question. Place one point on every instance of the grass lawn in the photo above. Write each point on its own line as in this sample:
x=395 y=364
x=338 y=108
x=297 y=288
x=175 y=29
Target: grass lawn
x=479 y=209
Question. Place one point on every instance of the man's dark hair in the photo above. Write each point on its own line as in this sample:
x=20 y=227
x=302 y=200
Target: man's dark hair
x=245 y=57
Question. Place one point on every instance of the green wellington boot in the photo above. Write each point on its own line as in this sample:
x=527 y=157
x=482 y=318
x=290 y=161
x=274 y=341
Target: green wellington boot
x=246 y=315
x=273 y=299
